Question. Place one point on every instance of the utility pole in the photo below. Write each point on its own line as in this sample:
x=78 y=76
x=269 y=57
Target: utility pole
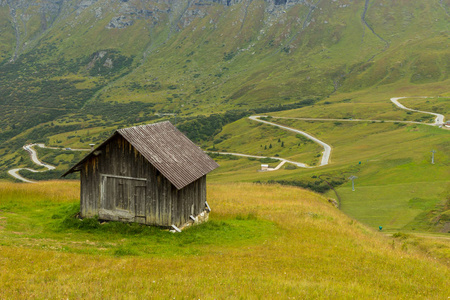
x=352 y=178
x=432 y=156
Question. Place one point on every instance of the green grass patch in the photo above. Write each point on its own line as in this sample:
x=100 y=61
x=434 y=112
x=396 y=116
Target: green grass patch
x=393 y=206
x=44 y=220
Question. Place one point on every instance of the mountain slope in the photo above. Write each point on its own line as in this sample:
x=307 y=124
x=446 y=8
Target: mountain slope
x=80 y=64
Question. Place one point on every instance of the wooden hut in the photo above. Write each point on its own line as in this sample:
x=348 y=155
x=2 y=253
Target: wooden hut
x=151 y=174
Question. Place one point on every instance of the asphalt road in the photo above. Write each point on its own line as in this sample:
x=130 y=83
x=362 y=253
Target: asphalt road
x=351 y=120
x=327 y=148
x=34 y=158
x=33 y=155
x=298 y=164
x=15 y=173
x=439 y=118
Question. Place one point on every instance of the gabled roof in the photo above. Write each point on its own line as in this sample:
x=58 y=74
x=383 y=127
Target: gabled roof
x=167 y=149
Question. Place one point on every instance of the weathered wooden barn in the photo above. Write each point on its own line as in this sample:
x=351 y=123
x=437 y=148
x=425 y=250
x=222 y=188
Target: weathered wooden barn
x=151 y=174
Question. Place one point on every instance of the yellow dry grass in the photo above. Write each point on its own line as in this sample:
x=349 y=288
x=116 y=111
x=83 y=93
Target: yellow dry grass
x=317 y=253
x=55 y=191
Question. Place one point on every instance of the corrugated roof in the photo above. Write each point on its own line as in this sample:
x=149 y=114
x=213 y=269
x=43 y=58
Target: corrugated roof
x=169 y=151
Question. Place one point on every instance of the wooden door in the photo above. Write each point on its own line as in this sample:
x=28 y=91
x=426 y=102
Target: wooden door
x=123 y=198
x=140 y=192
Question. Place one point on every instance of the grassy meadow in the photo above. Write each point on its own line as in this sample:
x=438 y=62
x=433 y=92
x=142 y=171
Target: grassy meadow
x=263 y=241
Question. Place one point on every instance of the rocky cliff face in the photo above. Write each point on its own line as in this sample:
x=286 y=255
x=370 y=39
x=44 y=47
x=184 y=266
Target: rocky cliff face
x=126 y=10
x=31 y=18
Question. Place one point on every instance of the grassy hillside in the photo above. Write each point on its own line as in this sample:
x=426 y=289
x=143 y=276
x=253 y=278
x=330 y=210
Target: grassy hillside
x=439 y=105
x=262 y=241
x=77 y=71
x=397 y=186
x=81 y=61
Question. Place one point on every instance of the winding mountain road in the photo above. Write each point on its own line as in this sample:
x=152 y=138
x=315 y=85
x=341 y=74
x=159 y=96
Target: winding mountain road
x=326 y=154
x=15 y=173
x=33 y=155
x=34 y=158
x=439 y=121
x=327 y=148
x=350 y=120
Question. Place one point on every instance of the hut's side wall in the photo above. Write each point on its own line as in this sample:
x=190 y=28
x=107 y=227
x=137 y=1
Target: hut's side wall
x=120 y=170
x=188 y=201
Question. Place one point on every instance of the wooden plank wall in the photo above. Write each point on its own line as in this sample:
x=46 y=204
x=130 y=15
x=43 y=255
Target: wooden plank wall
x=165 y=205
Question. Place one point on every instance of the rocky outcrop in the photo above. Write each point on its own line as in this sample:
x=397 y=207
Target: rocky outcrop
x=223 y=2
x=123 y=13
x=85 y=4
x=46 y=7
x=119 y=22
x=127 y=11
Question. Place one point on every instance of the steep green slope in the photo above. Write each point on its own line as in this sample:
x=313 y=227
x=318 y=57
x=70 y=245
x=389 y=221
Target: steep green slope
x=194 y=58
x=7 y=36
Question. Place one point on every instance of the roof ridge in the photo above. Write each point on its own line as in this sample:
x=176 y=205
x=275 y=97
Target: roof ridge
x=145 y=125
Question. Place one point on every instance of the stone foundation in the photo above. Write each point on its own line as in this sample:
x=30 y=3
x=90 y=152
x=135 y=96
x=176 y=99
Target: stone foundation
x=199 y=219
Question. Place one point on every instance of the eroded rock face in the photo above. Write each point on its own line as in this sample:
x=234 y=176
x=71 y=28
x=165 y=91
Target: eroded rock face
x=128 y=10
x=178 y=14
x=48 y=6
x=85 y=4
x=119 y=22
